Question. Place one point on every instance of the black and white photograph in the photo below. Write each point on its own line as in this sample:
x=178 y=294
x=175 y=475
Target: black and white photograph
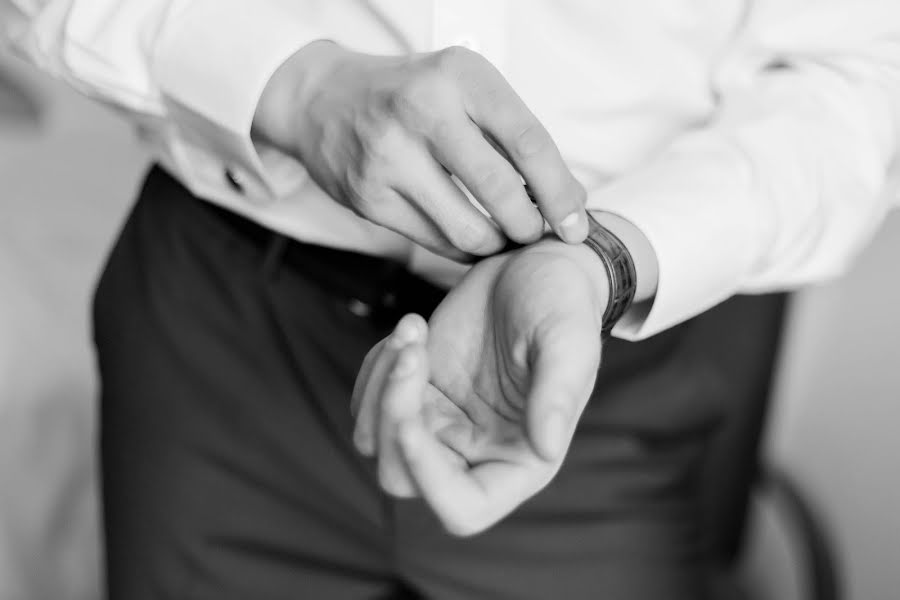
x=449 y=299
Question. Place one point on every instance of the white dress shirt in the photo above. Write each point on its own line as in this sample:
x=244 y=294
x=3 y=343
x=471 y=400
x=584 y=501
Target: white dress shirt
x=754 y=143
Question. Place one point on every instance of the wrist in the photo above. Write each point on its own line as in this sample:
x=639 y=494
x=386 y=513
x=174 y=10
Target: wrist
x=642 y=253
x=588 y=263
x=287 y=94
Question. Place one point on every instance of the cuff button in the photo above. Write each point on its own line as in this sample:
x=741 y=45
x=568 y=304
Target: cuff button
x=235 y=181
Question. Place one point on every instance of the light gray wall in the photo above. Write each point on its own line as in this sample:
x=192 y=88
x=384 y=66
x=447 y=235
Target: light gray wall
x=63 y=190
x=837 y=420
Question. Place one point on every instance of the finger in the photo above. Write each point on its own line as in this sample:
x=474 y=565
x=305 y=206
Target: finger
x=427 y=186
x=397 y=214
x=364 y=430
x=401 y=399
x=564 y=369
x=407 y=329
x=501 y=113
x=465 y=152
x=466 y=500
x=442 y=478
x=364 y=402
x=363 y=377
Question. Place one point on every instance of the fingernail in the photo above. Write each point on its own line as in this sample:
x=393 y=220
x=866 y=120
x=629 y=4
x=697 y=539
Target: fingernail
x=573 y=228
x=405 y=333
x=406 y=364
x=364 y=444
x=555 y=432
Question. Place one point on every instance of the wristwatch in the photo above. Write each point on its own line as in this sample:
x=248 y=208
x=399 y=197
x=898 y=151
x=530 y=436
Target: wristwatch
x=620 y=272
x=619 y=266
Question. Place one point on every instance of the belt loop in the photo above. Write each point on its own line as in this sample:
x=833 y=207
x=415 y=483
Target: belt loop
x=274 y=253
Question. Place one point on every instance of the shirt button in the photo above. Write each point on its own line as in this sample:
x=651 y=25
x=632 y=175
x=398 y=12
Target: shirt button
x=359 y=308
x=235 y=180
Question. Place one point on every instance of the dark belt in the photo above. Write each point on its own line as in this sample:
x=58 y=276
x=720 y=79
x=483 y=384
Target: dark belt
x=375 y=288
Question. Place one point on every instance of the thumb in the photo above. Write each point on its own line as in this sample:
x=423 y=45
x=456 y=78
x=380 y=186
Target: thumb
x=563 y=371
x=402 y=402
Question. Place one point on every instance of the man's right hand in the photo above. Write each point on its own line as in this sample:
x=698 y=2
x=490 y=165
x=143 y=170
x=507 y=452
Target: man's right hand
x=382 y=135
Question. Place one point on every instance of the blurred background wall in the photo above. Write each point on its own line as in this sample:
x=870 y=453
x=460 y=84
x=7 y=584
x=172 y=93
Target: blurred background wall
x=66 y=182
x=836 y=420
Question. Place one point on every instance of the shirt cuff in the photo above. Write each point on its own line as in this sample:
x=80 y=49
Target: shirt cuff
x=212 y=64
x=690 y=204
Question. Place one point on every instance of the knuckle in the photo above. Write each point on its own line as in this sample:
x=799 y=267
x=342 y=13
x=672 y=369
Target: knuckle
x=366 y=194
x=473 y=239
x=496 y=184
x=446 y=131
x=440 y=127
x=531 y=140
x=409 y=101
x=502 y=192
x=454 y=58
x=360 y=183
x=377 y=140
x=419 y=102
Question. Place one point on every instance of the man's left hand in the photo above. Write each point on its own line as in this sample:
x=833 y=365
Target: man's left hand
x=475 y=410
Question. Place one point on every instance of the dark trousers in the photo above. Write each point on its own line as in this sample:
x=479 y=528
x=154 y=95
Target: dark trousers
x=228 y=357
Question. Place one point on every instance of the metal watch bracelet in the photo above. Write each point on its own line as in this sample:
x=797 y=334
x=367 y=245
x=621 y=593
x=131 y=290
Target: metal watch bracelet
x=620 y=272
x=619 y=266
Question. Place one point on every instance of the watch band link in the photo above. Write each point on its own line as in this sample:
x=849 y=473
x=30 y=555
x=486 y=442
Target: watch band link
x=620 y=272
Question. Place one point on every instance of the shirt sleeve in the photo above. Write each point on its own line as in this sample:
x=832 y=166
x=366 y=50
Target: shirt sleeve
x=793 y=173
x=188 y=72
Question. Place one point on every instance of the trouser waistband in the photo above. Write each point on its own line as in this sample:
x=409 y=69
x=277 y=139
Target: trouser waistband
x=374 y=287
